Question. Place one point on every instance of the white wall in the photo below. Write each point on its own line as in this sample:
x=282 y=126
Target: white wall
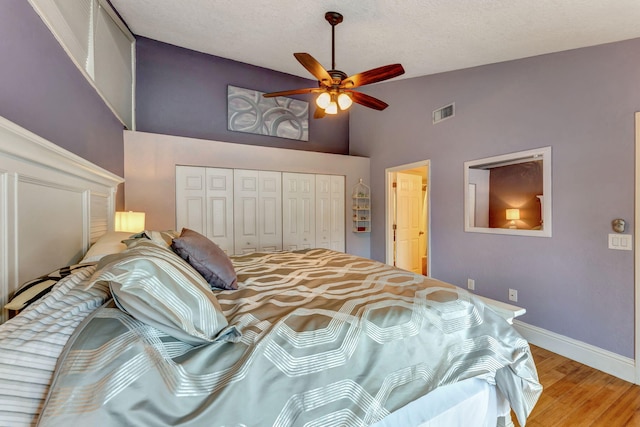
x=150 y=164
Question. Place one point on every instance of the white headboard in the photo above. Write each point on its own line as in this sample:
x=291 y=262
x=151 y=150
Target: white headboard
x=53 y=205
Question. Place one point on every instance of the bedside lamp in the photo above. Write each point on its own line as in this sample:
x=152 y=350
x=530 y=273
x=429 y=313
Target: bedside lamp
x=512 y=215
x=132 y=222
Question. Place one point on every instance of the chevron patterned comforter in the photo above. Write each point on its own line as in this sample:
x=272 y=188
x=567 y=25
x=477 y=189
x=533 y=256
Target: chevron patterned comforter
x=327 y=339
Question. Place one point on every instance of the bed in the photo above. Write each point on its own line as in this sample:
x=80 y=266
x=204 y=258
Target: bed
x=150 y=332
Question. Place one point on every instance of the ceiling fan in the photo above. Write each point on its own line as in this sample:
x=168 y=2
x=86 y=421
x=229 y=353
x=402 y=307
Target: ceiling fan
x=334 y=86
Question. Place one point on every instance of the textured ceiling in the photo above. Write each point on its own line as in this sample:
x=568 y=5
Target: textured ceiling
x=425 y=36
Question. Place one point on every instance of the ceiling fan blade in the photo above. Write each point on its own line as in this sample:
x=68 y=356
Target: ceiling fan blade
x=319 y=113
x=292 y=92
x=314 y=67
x=373 y=76
x=367 y=100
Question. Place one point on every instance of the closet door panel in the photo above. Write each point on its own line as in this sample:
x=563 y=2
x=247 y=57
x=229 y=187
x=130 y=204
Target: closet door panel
x=307 y=210
x=270 y=211
x=248 y=213
x=298 y=216
x=220 y=208
x=218 y=212
x=246 y=203
x=191 y=199
x=194 y=217
x=337 y=213
x=289 y=212
x=307 y=220
x=323 y=211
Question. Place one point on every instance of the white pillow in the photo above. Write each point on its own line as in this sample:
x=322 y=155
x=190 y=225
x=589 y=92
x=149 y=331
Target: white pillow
x=109 y=243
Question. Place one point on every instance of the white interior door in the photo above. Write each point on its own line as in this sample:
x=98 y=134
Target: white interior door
x=409 y=199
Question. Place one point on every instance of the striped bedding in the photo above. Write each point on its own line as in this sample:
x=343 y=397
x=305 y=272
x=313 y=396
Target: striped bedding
x=328 y=339
x=344 y=303
x=31 y=343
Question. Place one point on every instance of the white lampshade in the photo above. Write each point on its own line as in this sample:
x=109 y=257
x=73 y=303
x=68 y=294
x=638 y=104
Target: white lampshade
x=344 y=101
x=513 y=214
x=132 y=222
x=323 y=100
x=332 y=108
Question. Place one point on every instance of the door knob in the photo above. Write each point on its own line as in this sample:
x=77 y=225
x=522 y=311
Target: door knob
x=421 y=233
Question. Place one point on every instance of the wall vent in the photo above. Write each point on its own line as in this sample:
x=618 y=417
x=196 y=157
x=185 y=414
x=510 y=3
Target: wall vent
x=444 y=113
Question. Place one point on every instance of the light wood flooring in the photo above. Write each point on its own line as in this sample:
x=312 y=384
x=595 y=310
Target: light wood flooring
x=576 y=395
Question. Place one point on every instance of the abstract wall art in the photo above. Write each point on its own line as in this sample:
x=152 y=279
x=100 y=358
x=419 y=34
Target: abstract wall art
x=248 y=111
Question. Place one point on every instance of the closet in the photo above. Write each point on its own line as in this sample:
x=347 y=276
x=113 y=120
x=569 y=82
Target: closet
x=246 y=211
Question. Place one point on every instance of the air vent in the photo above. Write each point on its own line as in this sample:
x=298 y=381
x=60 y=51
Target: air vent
x=444 y=113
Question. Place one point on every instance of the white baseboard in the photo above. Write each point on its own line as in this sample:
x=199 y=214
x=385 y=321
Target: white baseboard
x=603 y=360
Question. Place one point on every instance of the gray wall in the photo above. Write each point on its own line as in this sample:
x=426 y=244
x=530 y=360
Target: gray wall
x=44 y=92
x=582 y=104
x=184 y=93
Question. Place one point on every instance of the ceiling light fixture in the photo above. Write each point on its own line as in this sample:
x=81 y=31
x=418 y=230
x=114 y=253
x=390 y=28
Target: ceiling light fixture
x=323 y=100
x=344 y=101
x=332 y=108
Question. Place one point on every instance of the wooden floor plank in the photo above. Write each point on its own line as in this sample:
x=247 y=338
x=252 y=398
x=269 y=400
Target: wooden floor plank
x=576 y=395
x=621 y=412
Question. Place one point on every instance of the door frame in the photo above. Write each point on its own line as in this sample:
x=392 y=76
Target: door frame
x=636 y=266
x=388 y=203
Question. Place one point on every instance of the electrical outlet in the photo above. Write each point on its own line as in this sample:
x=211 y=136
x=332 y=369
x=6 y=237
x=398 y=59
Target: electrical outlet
x=471 y=284
x=513 y=295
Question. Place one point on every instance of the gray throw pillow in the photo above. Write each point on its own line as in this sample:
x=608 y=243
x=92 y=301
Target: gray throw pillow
x=207 y=258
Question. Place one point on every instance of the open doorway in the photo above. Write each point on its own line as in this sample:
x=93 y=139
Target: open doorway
x=407 y=217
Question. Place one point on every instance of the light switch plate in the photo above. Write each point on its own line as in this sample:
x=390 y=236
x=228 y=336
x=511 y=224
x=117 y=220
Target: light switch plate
x=622 y=242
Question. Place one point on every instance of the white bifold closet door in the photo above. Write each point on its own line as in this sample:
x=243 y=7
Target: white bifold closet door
x=205 y=203
x=246 y=211
x=298 y=211
x=257 y=201
x=330 y=211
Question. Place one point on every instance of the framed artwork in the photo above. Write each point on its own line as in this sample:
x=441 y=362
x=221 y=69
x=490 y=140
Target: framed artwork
x=248 y=111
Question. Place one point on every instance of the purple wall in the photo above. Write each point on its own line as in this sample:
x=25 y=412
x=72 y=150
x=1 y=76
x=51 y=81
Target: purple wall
x=183 y=92
x=43 y=91
x=582 y=104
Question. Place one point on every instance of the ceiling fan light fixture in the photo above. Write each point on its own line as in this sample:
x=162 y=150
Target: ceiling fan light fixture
x=323 y=100
x=332 y=108
x=335 y=86
x=344 y=101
